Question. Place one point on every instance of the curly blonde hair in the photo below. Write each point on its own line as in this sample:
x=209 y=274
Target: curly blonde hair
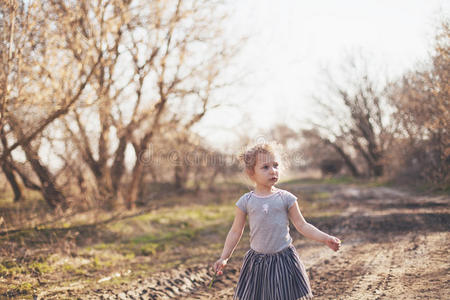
x=249 y=156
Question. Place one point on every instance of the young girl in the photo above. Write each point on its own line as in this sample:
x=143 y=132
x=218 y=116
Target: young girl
x=272 y=269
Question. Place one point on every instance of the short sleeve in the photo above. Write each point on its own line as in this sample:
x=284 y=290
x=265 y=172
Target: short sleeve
x=289 y=199
x=242 y=202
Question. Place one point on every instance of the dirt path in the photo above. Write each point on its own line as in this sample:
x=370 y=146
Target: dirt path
x=409 y=267
x=395 y=246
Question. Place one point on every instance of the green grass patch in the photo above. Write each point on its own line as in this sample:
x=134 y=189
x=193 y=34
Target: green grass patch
x=22 y=289
x=157 y=231
x=29 y=199
x=11 y=268
x=431 y=189
x=40 y=267
x=319 y=196
x=37 y=266
x=170 y=220
x=341 y=180
x=328 y=180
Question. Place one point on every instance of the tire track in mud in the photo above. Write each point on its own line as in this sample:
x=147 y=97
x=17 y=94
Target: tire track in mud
x=414 y=266
x=348 y=273
x=376 y=272
x=190 y=283
x=423 y=271
x=175 y=284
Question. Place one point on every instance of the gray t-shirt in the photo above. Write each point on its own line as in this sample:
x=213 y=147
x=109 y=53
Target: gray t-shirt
x=268 y=220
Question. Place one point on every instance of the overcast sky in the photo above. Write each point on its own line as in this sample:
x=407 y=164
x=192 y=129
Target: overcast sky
x=292 y=40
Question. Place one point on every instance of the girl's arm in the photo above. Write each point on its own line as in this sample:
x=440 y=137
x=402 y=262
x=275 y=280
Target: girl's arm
x=310 y=231
x=233 y=237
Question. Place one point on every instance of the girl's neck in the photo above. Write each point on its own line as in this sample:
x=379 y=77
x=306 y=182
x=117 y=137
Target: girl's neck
x=264 y=190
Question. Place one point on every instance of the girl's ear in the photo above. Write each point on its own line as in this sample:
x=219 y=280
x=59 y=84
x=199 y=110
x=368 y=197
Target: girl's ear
x=250 y=172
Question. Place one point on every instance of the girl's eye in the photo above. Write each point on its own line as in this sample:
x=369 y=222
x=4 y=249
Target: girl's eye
x=265 y=167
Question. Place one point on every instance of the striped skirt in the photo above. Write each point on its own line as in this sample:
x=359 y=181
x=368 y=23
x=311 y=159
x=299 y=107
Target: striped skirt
x=277 y=276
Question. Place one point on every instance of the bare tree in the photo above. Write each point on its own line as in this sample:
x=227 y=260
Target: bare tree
x=422 y=102
x=39 y=84
x=355 y=117
x=98 y=80
x=160 y=69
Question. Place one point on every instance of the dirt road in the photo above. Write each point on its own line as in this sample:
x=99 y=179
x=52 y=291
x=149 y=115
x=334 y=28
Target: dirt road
x=395 y=246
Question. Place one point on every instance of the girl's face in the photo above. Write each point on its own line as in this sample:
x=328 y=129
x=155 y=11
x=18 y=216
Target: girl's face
x=265 y=172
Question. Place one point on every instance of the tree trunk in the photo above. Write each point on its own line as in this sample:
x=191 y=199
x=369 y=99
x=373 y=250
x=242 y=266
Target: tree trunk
x=26 y=181
x=213 y=178
x=51 y=193
x=179 y=177
x=347 y=160
x=372 y=159
x=9 y=173
x=118 y=167
x=107 y=196
x=133 y=188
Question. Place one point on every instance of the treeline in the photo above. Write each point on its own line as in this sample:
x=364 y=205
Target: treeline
x=86 y=89
x=397 y=129
x=97 y=101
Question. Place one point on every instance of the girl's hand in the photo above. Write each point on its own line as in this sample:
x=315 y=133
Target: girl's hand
x=219 y=265
x=334 y=243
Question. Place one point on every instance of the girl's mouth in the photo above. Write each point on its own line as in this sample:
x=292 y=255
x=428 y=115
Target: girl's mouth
x=274 y=178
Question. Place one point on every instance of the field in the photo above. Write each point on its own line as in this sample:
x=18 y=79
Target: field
x=394 y=246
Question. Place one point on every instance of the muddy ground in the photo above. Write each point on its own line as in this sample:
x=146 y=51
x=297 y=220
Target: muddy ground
x=395 y=246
